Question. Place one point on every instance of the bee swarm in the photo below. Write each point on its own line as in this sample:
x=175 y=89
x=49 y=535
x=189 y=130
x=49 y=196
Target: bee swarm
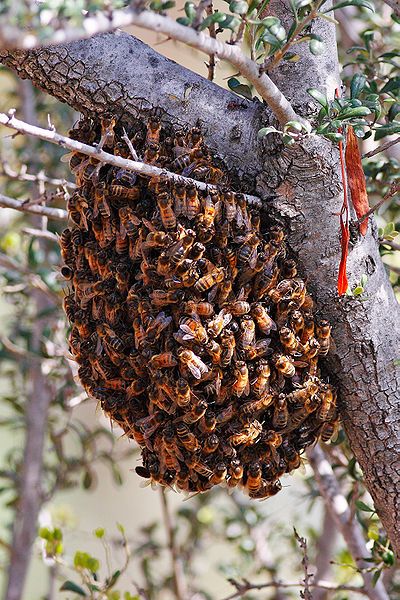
x=189 y=321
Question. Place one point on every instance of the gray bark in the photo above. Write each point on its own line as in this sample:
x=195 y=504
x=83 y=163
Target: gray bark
x=301 y=187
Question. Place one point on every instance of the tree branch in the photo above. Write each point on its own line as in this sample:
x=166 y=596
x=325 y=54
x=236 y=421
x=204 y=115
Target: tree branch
x=340 y=511
x=198 y=40
x=138 y=167
x=35 y=209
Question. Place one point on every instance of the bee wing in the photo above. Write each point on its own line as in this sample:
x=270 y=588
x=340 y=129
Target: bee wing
x=253 y=258
x=246 y=391
x=227 y=318
x=186 y=329
x=122 y=231
x=66 y=157
x=212 y=293
x=195 y=371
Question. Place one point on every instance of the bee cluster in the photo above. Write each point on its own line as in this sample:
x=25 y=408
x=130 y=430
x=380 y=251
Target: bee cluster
x=189 y=321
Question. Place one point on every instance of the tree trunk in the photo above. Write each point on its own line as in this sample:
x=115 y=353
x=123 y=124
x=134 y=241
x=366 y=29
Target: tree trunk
x=301 y=187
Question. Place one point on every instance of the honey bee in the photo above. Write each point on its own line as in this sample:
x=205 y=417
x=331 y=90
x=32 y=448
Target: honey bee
x=183 y=393
x=69 y=306
x=67 y=251
x=122 y=192
x=248 y=332
x=165 y=360
x=192 y=204
x=235 y=472
x=238 y=308
x=193 y=330
x=328 y=403
x=153 y=131
x=266 y=490
x=324 y=336
x=328 y=430
x=247 y=255
x=281 y=414
x=196 y=412
x=289 y=341
x=136 y=388
x=255 y=406
x=263 y=320
x=161 y=298
x=193 y=462
x=214 y=350
x=192 y=362
x=105 y=332
x=151 y=153
x=210 y=444
x=241 y=385
x=228 y=344
x=209 y=210
x=219 y=474
x=186 y=437
x=258 y=350
x=254 y=477
x=308 y=328
x=218 y=323
x=179 y=195
x=201 y=309
x=308 y=390
x=260 y=385
x=208 y=281
x=284 y=365
x=107 y=132
x=289 y=269
x=208 y=422
x=129 y=220
x=300 y=414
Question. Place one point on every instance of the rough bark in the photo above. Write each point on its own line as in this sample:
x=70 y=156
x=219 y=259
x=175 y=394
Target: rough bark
x=302 y=189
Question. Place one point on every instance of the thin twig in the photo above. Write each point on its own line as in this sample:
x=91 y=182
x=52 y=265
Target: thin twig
x=381 y=148
x=306 y=593
x=324 y=551
x=36 y=209
x=22 y=175
x=394 y=189
x=350 y=529
x=46 y=235
x=177 y=572
x=104 y=157
x=32 y=279
x=389 y=243
x=213 y=34
x=246 y=586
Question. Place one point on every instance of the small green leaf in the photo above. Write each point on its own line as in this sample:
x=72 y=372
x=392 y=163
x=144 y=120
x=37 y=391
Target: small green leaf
x=99 y=532
x=391 y=86
x=344 y=3
x=239 y=7
x=363 y=280
x=358 y=290
x=388 y=557
x=389 y=129
x=316 y=45
x=334 y=137
x=319 y=97
x=70 y=586
x=376 y=576
x=265 y=131
x=357 y=85
x=240 y=88
x=373 y=532
x=358 y=111
x=361 y=505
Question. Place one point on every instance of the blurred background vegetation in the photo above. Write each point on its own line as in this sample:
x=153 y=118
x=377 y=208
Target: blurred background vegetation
x=101 y=534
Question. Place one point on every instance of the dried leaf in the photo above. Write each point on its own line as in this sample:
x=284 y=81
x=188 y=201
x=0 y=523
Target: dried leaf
x=356 y=179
